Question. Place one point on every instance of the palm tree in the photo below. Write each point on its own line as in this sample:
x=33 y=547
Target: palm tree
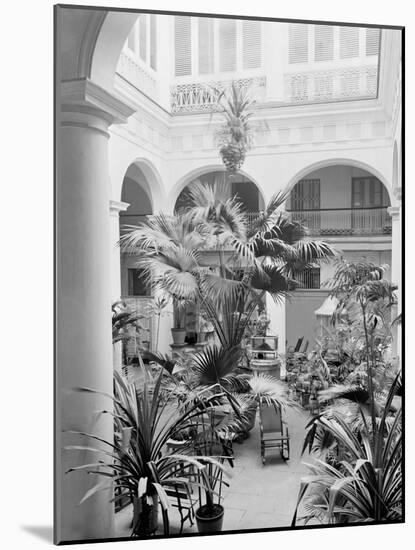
x=249 y=260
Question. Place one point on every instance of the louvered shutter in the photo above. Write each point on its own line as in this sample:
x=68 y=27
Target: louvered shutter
x=227 y=45
x=298 y=43
x=349 y=42
x=251 y=40
x=183 y=46
x=372 y=41
x=131 y=39
x=142 y=36
x=153 y=42
x=323 y=43
x=205 y=45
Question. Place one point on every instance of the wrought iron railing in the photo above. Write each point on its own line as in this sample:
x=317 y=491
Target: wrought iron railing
x=330 y=85
x=344 y=221
x=203 y=96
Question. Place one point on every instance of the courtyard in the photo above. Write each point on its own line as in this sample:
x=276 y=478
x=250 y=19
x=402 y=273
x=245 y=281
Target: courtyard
x=229 y=274
x=259 y=496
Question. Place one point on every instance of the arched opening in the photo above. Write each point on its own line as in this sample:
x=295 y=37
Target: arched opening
x=251 y=201
x=341 y=200
x=346 y=206
x=241 y=186
x=134 y=290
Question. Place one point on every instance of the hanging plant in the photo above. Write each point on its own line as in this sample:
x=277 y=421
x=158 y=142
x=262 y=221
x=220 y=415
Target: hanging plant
x=235 y=136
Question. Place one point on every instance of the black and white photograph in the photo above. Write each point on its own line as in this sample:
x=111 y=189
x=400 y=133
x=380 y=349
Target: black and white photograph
x=228 y=273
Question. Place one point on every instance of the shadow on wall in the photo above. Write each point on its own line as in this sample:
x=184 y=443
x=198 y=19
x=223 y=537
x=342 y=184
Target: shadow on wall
x=42 y=532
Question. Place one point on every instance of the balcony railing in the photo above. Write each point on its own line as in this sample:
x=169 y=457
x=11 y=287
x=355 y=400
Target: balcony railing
x=344 y=222
x=330 y=85
x=336 y=222
x=203 y=96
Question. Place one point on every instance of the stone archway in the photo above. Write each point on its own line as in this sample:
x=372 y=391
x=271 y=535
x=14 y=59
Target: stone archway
x=339 y=162
x=203 y=173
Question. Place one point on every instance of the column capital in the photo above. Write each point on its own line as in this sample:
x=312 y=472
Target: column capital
x=398 y=193
x=394 y=212
x=84 y=96
x=118 y=206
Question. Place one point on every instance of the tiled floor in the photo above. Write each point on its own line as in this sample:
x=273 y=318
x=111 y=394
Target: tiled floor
x=259 y=496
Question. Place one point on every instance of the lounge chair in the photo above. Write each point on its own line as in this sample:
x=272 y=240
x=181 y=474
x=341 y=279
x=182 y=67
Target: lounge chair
x=273 y=430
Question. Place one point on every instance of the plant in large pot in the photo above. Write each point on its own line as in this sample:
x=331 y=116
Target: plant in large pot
x=235 y=135
x=209 y=515
x=178 y=332
x=137 y=461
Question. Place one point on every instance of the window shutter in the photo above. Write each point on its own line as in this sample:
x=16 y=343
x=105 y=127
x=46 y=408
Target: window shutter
x=323 y=43
x=251 y=39
x=142 y=36
x=182 y=46
x=298 y=43
x=372 y=41
x=131 y=39
x=205 y=45
x=349 y=42
x=153 y=41
x=227 y=45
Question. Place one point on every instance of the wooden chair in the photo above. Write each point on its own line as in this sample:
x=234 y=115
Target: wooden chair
x=273 y=430
x=184 y=498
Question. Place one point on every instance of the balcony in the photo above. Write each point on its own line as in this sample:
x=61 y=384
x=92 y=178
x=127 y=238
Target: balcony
x=199 y=97
x=345 y=222
x=331 y=85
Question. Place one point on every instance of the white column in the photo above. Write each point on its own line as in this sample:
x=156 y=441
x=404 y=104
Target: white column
x=83 y=300
x=276 y=314
x=115 y=208
x=396 y=272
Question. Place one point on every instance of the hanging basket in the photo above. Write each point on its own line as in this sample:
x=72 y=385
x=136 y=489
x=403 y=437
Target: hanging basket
x=233 y=156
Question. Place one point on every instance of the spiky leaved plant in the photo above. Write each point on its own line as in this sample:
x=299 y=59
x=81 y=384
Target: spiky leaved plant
x=235 y=136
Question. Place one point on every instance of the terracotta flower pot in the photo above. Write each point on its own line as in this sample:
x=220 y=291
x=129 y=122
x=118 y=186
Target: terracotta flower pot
x=178 y=335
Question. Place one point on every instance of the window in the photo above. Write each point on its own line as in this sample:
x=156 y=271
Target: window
x=368 y=193
x=309 y=278
x=209 y=46
x=306 y=195
x=142 y=40
x=349 y=42
x=227 y=45
x=298 y=43
x=142 y=36
x=183 y=46
x=323 y=43
x=251 y=44
x=206 y=46
x=372 y=41
x=131 y=40
x=137 y=285
x=153 y=42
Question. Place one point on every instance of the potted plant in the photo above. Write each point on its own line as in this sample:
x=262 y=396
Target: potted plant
x=209 y=515
x=204 y=329
x=235 y=136
x=137 y=460
x=178 y=332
